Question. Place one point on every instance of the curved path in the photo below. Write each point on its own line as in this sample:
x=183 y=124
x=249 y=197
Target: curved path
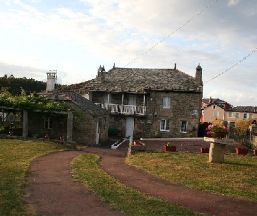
x=51 y=190
x=113 y=163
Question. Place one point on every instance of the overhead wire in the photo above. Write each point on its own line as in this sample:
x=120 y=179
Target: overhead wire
x=172 y=33
x=233 y=65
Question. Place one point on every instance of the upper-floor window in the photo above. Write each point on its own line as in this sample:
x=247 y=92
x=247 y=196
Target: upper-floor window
x=166 y=102
x=230 y=114
x=237 y=115
x=216 y=114
x=164 y=125
x=246 y=115
x=183 y=127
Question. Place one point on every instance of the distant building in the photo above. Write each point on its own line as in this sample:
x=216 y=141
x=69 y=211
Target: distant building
x=217 y=109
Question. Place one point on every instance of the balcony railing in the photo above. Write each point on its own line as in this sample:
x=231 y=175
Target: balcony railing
x=124 y=109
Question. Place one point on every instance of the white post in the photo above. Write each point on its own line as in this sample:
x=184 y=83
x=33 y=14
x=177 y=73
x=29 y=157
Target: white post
x=122 y=99
x=144 y=105
x=108 y=98
x=69 y=126
x=25 y=124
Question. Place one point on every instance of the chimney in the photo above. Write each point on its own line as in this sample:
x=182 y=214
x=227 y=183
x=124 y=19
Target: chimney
x=51 y=80
x=101 y=73
x=198 y=75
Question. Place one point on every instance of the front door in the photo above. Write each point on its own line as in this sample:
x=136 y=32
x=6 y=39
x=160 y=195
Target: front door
x=129 y=127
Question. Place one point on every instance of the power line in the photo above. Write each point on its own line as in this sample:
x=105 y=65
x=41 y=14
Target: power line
x=234 y=65
x=172 y=33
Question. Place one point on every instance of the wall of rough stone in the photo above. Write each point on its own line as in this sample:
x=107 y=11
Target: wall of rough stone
x=183 y=106
x=84 y=126
x=36 y=125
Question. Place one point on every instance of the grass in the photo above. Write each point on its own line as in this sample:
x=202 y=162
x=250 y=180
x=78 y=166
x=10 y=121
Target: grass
x=237 y=177
x=119 y=196
x=15 y=157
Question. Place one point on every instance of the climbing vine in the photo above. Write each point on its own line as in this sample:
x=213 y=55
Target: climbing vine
x=30 y=102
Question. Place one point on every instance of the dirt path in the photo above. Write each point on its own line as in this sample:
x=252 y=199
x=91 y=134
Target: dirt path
x=51 y=190
x=113 y=163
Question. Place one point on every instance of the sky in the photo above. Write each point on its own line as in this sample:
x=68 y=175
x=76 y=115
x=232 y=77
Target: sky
x=77 y=36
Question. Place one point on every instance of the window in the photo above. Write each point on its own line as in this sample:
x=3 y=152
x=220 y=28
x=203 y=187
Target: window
x=48 y=123
x=183 y=127
x=237 y=115
x=216 y=114
x=246 y=115
x=230 y=114
x=164 y=125
x=166 y=102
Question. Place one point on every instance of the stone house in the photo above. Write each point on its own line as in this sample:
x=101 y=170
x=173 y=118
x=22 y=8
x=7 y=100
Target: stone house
x=89 y=124
x=147 y=102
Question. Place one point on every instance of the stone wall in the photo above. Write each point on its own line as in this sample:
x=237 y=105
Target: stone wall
x=184 y=107
x=38 y=129
x=84 y=126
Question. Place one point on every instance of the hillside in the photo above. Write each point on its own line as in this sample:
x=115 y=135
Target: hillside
x=14 y=85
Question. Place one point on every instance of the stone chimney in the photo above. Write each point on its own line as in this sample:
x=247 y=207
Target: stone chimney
x=101 y=73
x=51 y=80
x=198 y=75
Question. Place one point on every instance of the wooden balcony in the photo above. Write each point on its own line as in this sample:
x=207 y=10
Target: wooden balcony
x=124 y=109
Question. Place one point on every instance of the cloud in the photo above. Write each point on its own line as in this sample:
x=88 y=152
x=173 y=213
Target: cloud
x=140 y=32
x=233 y=2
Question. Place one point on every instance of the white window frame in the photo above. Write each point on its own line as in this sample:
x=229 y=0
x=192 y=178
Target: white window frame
x=181 y=131
x=48 y=124
x=166 y=102
x=166 y=127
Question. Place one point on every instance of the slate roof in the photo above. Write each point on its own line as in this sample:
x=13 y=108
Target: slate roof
x=83 y=103
x=140 y=80
x=216 y=101
x=247 y=109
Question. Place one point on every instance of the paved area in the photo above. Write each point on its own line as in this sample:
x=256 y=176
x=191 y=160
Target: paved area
x=113 y=163
x=51 y=191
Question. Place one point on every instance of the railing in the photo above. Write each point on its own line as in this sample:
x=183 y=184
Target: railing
x=123 y=109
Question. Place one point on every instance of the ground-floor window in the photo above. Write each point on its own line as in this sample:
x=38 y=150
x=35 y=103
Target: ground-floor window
x=164 y=125
x=183 y=126
x=48 y=124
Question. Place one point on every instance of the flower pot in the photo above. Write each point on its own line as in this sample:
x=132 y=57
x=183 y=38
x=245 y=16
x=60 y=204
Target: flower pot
x=204 y=150
x=170 y=148
x=241 y=151
x=255 y=152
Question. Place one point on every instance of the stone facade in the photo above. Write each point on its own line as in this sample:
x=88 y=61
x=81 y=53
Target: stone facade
x=147 y=102
x=41 y=124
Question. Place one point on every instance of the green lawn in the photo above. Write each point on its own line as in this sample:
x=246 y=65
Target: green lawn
x=15 y=157
x=236 y=177
x=127 y=200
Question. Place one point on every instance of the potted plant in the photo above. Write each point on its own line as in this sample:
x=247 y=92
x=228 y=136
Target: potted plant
x=138 y=145
x=241 y=150
x=255 y=152
x=169 y=147
x=217 y=131
x=205 y=150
